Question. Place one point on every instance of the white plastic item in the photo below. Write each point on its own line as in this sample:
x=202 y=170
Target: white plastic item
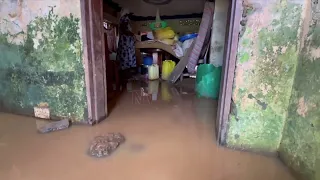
x=155 y=57
x=153 y=72
x=186 y=44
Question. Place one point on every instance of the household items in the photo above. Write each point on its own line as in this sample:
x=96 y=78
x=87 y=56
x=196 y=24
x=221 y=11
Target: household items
x=165 y=33
x=158 y=24
x=178 y=70
x=186 y=44
x=153 y=72
x=150 y=35
x=156 y=45
x=104 y=145
x=146 y=36
x=208 y=81
x=203 y=34
x=147 y=60
x=188 y=36
x=155 y=56
x=167 y=68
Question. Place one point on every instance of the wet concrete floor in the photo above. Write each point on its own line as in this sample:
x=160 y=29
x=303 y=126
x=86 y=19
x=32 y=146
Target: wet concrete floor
x=169 y=136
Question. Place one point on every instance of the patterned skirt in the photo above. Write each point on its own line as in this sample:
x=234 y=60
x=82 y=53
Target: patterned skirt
x=126 y=53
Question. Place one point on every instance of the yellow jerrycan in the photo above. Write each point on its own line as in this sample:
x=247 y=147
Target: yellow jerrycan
x=167 y=68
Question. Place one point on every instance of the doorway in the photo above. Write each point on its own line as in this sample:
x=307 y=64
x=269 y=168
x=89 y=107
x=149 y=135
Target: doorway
x=95 y=67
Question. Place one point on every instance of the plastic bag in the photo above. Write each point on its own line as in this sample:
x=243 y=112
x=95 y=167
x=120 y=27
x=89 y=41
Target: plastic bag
x=166 y=33
x=186 y=44
x=178 y=50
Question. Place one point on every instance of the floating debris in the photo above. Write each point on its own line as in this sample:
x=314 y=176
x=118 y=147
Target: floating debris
x=104 y=145
x=54 y=126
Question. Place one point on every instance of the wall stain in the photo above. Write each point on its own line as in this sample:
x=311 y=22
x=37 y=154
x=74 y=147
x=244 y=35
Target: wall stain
x=262 y=104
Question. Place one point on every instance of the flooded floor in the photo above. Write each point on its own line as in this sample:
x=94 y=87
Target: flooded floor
x=169 y=136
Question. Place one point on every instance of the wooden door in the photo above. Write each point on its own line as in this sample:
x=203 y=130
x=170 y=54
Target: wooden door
x=94 y=59
x=230 y=55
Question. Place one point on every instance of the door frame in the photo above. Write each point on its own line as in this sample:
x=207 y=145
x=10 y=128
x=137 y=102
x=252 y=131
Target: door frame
x=95 y=68
x=94 y=59
x=228 y=70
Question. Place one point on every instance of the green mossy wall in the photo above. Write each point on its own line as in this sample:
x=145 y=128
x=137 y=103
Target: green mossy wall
x=46 y=66
x=276 y=95
x=266 y=65
x=300 y=145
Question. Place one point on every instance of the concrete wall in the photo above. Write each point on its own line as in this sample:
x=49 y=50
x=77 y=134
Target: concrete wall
x=300 y=145
x=41 y=57
x=276 y=89
x=265 y=69
x=218 y=32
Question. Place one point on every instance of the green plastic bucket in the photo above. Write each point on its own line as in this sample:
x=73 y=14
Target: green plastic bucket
x=208 y=81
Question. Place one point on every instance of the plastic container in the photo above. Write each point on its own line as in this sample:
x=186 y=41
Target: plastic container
x=208 y=81
x=188 y=36
x=153 y=72
x=167 y=68
x=147 y=60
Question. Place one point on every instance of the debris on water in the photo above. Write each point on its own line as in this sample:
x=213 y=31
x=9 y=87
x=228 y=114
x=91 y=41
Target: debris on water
x=104 y=145
x=54 y=126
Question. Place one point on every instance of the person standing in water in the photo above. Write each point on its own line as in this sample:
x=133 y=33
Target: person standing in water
x=126 y=46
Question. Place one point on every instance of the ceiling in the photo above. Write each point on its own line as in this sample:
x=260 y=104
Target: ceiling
x=175 y=7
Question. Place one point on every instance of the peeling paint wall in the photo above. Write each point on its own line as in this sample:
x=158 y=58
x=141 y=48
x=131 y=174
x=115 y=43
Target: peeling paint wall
x=41 y=57
x=300 y=145
x=266 y=64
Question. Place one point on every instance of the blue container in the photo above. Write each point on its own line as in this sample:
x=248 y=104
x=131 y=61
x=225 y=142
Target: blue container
x=147 y=61
x=187 y=37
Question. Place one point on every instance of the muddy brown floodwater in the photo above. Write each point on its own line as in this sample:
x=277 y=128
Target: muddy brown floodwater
x=168 y=138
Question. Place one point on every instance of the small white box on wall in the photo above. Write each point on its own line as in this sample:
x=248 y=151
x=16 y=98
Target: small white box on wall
x=42 y=111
